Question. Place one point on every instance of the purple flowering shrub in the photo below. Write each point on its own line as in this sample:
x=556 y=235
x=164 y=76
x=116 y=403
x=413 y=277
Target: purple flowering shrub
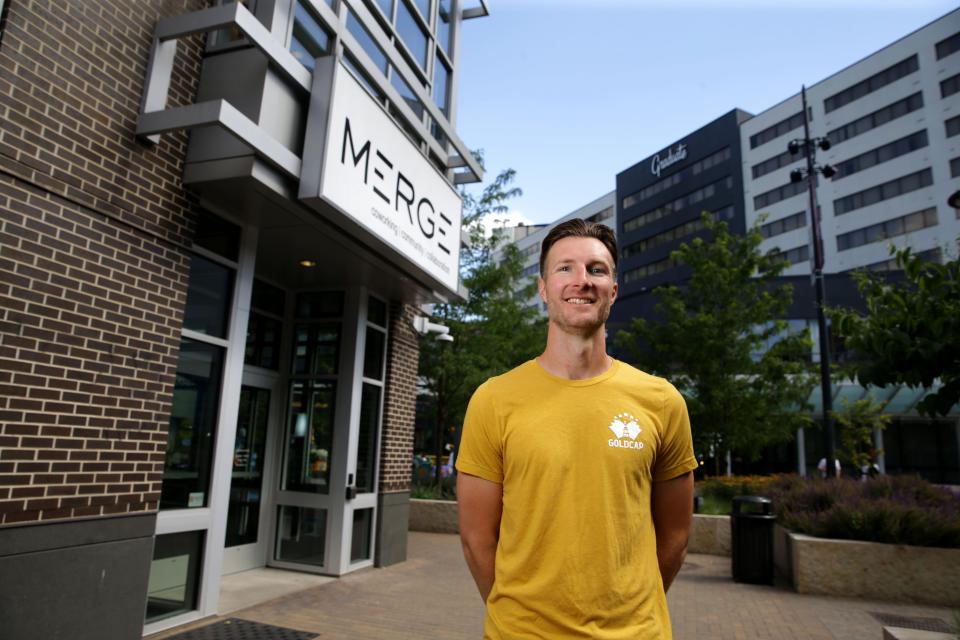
x=891 y=509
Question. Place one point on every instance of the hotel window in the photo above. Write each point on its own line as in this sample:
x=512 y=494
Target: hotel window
x=530 y=270
x=532 y=250
x=793 y=256
x=265 y=326
x=309 y=40
x=930 y=255
x=696 y=168
x=881 y=154
x=952 y=126
x=648 y=270
x=600 y=216
x=679 y=204
x=174 y=574
x=774 y=196
x=780 y=160
x=955 y=167
x=879 y=117
x=675 y=233
x=776 y=130
x=882 y=192
x=444 y=24
x=366 y=41
x=777 y=227
x=949 y=45
x=950 y=86
x=871 y=84
x=888 y=229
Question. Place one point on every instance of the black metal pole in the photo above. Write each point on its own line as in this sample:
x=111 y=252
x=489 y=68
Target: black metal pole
x=825 y=383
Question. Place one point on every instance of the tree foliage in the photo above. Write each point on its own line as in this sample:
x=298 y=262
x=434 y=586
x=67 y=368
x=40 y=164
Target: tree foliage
x=911 y=332
x=492 y=329
x=856 y=422
x=721 y=340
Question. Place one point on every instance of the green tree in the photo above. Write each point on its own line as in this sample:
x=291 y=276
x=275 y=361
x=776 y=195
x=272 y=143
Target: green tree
x=856 y=422
x=722 y=341
x=493 y=330
x=911 y=332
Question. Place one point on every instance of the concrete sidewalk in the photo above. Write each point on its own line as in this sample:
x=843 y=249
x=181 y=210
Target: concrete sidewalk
x=432 y=596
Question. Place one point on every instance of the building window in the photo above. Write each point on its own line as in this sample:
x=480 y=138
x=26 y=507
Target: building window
x=533 y=249
x=411 y=33
x=309 y=40
x=881 y=154
x=777 y=227
x=696 y=168
x=930 y=255
x=888 y=229
x=600 y=216
x=530 y=270
x=879 y=117
x=776 y=130
x=952 y=126
x=792 y=256
x=407 y=94
x=444 y=24
x=679 y=204
x=871 y=84
x=882 y=192
x=650 y=269
x=780 y=160
x=174 y=574
x=366 y=41
x=265 y=326
x=193 y=423
x=955 y=167
x=774 y=196
x=949 y=45
x=950 y=86
x=675 y=233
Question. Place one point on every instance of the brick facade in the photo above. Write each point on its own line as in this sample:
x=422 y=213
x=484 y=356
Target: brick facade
x=93 y=267
x=399 y=410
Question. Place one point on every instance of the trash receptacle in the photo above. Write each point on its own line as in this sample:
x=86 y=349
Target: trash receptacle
x=751 y=539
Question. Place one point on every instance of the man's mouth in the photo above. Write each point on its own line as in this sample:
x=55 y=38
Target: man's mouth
x=579 y=300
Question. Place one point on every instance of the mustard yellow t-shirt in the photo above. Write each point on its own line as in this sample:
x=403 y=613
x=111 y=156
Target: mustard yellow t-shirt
x=577 y=555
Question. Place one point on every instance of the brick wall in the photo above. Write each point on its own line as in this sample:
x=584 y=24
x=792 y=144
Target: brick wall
x=93 y=225
x=399 y=411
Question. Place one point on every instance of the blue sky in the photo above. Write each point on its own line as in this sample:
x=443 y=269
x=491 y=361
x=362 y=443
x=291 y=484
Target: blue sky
x=571 y=92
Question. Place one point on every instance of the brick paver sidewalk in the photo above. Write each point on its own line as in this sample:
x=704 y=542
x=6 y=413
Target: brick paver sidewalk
x=431 y=595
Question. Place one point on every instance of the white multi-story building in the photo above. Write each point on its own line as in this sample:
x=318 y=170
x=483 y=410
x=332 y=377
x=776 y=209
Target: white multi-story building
x=892 y=120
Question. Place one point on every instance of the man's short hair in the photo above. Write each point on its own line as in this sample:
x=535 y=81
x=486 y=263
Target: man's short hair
x=579 y=228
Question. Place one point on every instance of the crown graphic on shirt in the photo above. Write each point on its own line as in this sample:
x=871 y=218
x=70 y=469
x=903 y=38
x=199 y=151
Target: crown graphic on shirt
x=625 y=425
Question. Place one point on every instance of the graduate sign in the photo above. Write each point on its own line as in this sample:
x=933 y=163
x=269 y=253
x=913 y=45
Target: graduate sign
x=358 y=162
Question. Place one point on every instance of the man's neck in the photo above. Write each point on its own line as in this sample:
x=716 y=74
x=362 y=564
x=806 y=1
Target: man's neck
x=575 y=357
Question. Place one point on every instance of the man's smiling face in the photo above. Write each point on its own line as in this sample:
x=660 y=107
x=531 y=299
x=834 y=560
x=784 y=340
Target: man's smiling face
x=578 y=284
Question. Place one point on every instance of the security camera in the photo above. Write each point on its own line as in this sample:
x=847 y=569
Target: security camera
x=423 y=326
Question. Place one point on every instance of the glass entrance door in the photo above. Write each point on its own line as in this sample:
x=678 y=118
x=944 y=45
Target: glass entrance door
x=247 y=527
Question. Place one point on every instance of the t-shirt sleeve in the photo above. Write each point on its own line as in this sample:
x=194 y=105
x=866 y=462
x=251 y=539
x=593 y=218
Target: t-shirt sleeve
x=481 y=444
x=676 y=455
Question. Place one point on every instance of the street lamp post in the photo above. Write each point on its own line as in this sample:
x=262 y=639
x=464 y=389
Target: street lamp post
x=809 y=146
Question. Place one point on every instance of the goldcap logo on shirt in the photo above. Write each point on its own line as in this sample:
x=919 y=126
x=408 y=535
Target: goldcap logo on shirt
x=625 y=430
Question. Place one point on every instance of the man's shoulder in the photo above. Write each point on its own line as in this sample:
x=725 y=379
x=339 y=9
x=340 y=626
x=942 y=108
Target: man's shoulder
x=509 y=379
x=639 y=379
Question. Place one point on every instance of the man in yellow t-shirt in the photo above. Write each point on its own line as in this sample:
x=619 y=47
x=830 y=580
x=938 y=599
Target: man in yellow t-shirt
x=575 y=488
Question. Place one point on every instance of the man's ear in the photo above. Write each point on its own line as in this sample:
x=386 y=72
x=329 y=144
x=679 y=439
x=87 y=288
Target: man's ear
x=542 y=288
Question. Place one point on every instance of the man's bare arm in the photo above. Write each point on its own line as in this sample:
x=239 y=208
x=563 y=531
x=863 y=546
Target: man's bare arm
x=671 y=504
x=479 y=505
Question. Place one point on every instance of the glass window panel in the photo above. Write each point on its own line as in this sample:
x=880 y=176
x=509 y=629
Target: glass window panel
x=362 y=77
x=387 y=7
x=444 y=24
x=316 y=349
x=309 y=437
x=243 y=514
x=267 y=297
x=309 y=40
x=360 y=541
x=263 y=341
x=208 y=297
x=441 y=84
x=301 y=535
x=373 y=354
x=377 y=312
x=320 y=304
x=366 y=41
x=407 y=94
x=369 y=432
x=217 y=235
x=174 y=573
x=193 y=419
x=412 y=34
x=424 y=7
